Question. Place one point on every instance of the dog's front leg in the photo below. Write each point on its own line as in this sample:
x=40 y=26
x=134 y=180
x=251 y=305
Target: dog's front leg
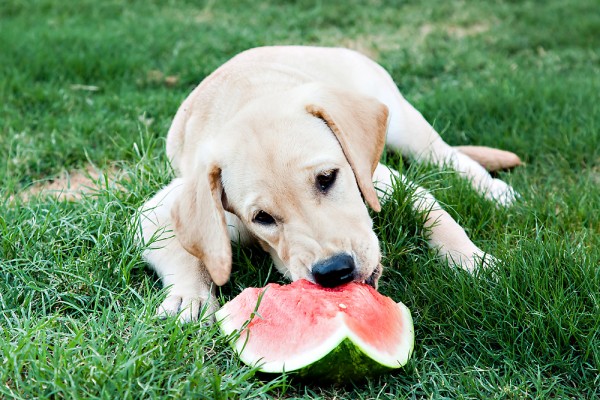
x=190 y=290
x=446 y=236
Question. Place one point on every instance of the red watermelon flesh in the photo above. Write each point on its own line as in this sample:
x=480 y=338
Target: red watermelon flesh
x=298 y=325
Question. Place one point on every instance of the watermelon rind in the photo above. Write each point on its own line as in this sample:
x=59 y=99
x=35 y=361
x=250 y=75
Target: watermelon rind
x=341 y=357
x=346 y=362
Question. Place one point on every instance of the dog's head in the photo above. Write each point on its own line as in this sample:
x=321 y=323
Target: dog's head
x=296 y=168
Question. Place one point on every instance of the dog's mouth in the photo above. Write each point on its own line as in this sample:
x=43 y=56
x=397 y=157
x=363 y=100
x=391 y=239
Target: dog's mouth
x=373 y=279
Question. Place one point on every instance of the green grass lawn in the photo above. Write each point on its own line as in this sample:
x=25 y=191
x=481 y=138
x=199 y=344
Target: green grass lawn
x=98 y=82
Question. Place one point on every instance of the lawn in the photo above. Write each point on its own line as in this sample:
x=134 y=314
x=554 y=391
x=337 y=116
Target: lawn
x=97 y=82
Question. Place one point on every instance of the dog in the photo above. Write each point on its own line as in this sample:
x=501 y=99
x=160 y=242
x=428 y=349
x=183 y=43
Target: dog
x=281 y=146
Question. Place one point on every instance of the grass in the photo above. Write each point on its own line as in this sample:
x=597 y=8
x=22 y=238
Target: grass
x=86 y=82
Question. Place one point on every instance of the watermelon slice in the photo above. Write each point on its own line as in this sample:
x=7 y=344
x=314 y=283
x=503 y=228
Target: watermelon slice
x=328 y=334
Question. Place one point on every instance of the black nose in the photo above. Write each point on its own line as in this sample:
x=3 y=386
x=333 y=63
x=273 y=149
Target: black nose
x=334 y=271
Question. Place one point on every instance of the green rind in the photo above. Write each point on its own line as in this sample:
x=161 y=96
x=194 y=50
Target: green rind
x=346 y=362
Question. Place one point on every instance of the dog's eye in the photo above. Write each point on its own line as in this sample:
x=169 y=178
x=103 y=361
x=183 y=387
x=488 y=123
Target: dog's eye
x=326 y=179
x=263 y=218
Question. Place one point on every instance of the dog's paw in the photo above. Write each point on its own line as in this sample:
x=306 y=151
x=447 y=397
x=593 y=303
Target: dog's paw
x=501 y=193
x=471 y=262
x=188 y=307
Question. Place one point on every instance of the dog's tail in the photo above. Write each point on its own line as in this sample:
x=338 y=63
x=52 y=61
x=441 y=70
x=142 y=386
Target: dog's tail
x=490 y=158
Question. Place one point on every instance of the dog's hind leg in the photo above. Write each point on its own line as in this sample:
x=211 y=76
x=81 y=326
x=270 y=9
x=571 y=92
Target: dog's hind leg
x=190 y=291
x=413 y=136
x=446 y=236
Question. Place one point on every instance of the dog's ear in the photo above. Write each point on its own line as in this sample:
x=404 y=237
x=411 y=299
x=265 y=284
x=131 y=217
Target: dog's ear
x=199 y=222
x=360 y=123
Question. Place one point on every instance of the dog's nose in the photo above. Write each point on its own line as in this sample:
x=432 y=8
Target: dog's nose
x=334 y=271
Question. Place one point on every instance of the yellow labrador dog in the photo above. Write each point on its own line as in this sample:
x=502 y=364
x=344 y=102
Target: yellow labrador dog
x=280 y=146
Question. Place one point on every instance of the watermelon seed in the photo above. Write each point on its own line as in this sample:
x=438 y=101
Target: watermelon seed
x=342 y=306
